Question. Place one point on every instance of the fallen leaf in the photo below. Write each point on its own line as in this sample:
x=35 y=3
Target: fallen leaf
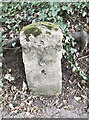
x=79 y=85
x=75 y=81
x=77 y=98
x=9 y=77
x=60 y=106
x=24 y=86
x=83 y=81
x=13 y=44
x=64 y=102
x=11 y=35
x=83 y=96
x=88 y=110
x=11 y=106
x=0 y=64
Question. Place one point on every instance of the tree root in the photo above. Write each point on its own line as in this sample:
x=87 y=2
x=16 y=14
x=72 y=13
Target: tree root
x=82 y=39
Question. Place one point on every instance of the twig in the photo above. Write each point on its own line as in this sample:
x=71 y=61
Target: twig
x=17 y=48
x=10 y=48
x=73 y=20
x=83 y=57
x=6 y=48
x=3 y=60
x=83 y=63
x=9 y=42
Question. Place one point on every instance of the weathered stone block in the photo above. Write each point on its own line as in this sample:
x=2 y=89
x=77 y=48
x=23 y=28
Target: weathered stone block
x=42 y=52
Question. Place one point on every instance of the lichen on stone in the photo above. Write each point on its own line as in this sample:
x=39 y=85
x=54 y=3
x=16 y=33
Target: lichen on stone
x=35 y=31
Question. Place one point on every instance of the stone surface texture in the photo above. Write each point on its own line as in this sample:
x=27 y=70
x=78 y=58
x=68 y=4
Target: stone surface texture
x=42 y=52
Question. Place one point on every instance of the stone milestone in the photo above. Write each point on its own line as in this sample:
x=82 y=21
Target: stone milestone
x=42 y=52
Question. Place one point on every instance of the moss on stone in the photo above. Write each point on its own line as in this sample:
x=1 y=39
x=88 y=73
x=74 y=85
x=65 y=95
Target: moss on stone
x=47 y=32
x=50 y=25
x=34 y=30
x=56 y=29
x=43 y=26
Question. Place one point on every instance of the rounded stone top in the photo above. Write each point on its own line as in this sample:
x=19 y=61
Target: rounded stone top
x=36 y=28
x=41 y=35
x=49 y=25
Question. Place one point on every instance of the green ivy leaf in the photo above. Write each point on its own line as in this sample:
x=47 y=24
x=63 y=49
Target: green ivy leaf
x=84 y=14
x=1 y=84
x=0 y=64
x=64 y=7
x=73 y=50
x=67 y=39
x=87 y=59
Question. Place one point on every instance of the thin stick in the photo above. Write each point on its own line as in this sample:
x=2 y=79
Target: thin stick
x=83 y=57
x=11 y=48
x=83 y=63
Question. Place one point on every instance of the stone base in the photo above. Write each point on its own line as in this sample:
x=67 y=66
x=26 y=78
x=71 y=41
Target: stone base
x=43 y=80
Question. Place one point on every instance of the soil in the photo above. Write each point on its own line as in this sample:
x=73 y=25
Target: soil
x=63 y=106
x=13 y=60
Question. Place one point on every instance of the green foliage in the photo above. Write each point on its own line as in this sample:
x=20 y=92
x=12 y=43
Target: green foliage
x=18 y=14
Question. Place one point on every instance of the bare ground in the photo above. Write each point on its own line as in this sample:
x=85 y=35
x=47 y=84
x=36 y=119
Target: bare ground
x=64 y=106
